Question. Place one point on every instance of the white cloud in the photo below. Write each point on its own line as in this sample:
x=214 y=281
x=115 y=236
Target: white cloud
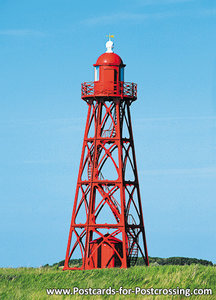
x=185 y=171
x=39 y=122
x=38 y=162
x=110 y=19
x=140 y=17
x=180 y=118
x=208 y=12
x=21 y=32
x=163 y=2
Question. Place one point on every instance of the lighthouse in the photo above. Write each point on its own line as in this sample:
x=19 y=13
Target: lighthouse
x=107 y=226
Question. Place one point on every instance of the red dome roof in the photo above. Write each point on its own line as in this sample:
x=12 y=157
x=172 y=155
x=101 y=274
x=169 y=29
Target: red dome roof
x=109 y=59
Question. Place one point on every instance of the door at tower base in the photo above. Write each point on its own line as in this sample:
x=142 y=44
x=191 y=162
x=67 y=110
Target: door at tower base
x=105 y=252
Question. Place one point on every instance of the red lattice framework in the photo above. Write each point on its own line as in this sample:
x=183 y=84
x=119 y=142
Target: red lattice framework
x=107 y=187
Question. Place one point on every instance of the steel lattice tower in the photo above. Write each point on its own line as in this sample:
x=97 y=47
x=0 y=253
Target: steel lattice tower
x=107 y=228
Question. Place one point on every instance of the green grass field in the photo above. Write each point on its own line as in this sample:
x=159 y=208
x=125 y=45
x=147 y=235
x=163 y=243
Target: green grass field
x=31 y=283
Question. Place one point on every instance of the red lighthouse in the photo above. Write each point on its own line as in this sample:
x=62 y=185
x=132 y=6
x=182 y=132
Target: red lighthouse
x=107 y=228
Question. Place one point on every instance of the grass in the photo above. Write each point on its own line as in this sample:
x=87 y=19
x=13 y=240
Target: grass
x=30 y=283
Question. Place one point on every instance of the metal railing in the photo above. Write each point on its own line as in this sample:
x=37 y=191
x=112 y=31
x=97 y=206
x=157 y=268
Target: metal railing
x=97 y=88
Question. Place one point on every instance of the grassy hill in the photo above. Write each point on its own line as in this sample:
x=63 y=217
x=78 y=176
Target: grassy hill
x=180 y=261
x=30 y=283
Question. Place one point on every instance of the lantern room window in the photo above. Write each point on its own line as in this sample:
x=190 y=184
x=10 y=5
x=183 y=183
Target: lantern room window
x=121 y=74
x=96 y=74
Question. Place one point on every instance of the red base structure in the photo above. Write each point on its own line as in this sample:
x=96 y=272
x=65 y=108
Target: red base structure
x=107 y=228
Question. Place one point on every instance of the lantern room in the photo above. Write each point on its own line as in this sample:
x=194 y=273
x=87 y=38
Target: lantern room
x=109 y=66
x=109 y=78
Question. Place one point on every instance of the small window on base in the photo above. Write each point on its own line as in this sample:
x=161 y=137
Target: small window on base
x=96 y=77
x=121 y=74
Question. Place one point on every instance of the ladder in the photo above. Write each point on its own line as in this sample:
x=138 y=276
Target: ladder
x=132 y=242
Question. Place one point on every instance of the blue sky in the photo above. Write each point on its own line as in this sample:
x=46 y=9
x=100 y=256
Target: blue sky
x=47 y=48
